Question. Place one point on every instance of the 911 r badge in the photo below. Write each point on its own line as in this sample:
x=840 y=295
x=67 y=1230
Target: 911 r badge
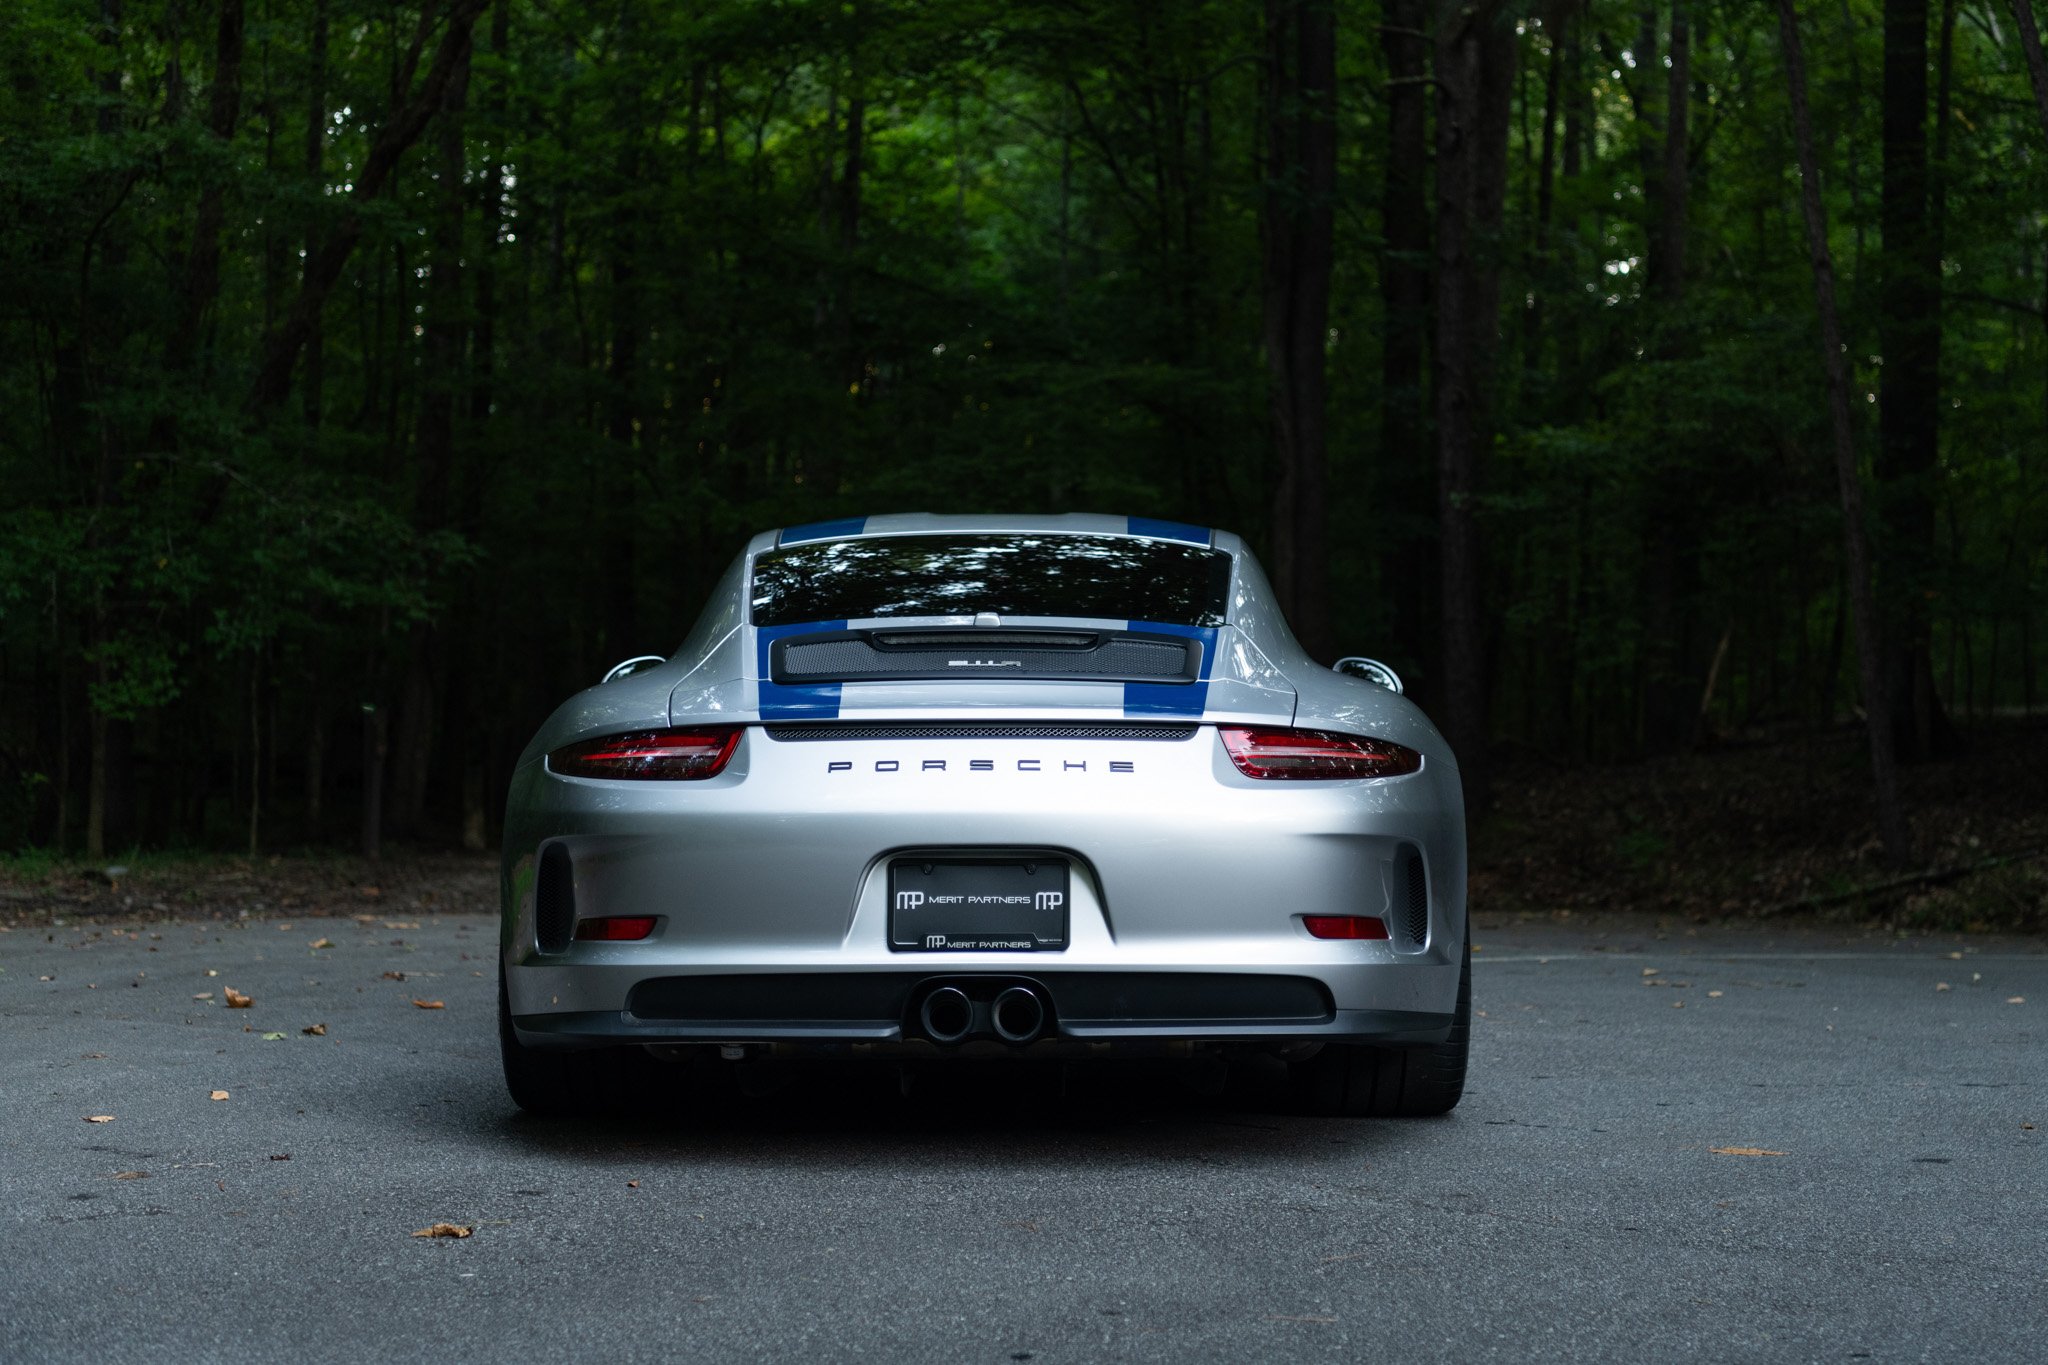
x=978 y=905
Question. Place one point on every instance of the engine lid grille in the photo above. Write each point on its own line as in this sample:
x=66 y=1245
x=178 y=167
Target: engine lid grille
x=996 y=655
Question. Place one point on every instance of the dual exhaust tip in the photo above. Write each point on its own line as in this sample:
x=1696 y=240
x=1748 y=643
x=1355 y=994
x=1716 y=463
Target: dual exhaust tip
x=949 y=1014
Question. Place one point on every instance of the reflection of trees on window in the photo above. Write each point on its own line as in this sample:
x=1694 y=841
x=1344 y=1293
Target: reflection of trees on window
x=1111 y=577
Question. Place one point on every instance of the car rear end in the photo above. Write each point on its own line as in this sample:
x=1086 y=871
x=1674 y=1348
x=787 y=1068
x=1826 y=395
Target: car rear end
x=947 y=787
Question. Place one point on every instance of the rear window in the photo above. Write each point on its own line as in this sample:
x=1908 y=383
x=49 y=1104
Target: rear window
x=1113 y=577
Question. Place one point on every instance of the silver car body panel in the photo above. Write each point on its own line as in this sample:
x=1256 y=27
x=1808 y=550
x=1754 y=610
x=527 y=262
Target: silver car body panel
x=778 y=866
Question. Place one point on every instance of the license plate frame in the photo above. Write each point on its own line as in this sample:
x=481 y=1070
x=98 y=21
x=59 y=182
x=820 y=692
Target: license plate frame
x=980 y=904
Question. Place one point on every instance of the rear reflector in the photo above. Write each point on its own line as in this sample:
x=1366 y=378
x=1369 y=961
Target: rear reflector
x=1274 y=753
x=629 y=928
x=660 y=755
x=1327 y=926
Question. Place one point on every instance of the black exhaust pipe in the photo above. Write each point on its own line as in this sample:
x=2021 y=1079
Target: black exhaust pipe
x=946 y=1014
x=1018 y=1015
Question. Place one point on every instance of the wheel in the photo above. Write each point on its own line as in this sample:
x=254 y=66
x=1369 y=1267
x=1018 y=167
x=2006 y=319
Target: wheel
x=1363 y=1080
x=564 y=1084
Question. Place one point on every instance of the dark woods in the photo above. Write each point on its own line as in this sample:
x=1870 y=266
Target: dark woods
x=376 y=374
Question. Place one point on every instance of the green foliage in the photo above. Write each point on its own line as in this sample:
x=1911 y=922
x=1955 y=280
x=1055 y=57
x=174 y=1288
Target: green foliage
x=662 y=306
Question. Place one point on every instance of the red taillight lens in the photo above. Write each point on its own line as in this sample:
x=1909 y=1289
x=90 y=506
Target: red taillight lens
x=1314 y=754
x=661 y=755
x=1345 y=926
x=622 y=928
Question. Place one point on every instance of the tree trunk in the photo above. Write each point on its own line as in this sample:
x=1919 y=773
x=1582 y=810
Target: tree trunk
x=1297 y=223
x=202 y=262
x=312 y=380
x=2037 y=69
x=1475 y=56
x=1668 y=261
x=1403 y=475
x=1909 y=384
x=1891 y=821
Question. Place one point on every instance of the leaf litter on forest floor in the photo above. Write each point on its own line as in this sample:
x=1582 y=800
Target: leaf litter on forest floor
x=238 y=1001
x=430 y=1004
x=218 y=1095
x=457 y=1230
x=1745 y=1151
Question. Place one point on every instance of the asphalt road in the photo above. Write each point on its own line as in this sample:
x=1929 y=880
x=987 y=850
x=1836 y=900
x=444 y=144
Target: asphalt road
x=1573 y=1206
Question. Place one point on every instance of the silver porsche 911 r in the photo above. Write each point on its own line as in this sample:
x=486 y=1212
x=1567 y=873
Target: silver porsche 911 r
x=1045 y=787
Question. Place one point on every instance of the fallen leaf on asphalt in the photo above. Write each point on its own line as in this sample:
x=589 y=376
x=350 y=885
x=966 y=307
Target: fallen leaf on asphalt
x=46 y=978
x=632 y=1184
x=1649 y=971
x=281 y=1156
x=315 y=1030
x=237 y=1000
x=1713 y=995
x=1678 y=1004
x=211 y=972
x=204 y=995
x=131 y=1175
x=92 y=1056
x=394 y=976
x=99 y=1118
x=1745 y=1151
x=2027 y=1127
x=1941 y=985
x=284 y=928
x=401 y=924
x=273 y=1037
x=445 y=1230
x=218 y=1095
x=323 y=943
x=1955 y=957
x=430 y=1004
x=2015 y=1000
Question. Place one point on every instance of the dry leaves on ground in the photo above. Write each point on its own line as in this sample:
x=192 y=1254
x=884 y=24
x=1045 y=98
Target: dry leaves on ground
x=218 y=1095
x=430 y=1004
x=1745 y=1151
x=315 y=1030
x=445 y=1230
x=238 y=1001
x=2015 y=1000
x=323 y=943
x=99 y=1118
x=394 y=976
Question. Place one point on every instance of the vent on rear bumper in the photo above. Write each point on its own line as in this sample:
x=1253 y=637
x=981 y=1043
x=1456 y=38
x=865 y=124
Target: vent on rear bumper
x=981 y=729
x=1411 y=897
x=554 y=900
x=953 y=655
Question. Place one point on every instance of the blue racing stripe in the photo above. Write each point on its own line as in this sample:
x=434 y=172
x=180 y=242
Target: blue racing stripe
x=823 y=530
x=783 y=701
x=1173 y=699
x=1168 y=530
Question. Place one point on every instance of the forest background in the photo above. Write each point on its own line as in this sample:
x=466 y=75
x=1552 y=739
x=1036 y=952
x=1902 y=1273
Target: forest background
x=1636 y=378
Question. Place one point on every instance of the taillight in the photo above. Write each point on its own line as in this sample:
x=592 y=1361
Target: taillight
x=660 y=755
x=1259 y=752
x=622 y=929
x=1331 y=926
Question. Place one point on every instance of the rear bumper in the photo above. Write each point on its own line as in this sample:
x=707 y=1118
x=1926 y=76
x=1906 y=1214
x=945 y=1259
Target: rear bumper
x=769 y=885
x=883 y=1007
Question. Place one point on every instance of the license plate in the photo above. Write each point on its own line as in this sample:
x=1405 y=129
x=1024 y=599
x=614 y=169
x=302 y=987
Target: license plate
x=974 y=905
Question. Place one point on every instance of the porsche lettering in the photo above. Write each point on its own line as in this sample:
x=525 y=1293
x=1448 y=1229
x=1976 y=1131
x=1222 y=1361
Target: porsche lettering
x=980 y=765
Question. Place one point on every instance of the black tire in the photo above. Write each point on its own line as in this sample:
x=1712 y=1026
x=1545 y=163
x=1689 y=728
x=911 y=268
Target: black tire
x=570 y=1084
x=1362 y=1080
